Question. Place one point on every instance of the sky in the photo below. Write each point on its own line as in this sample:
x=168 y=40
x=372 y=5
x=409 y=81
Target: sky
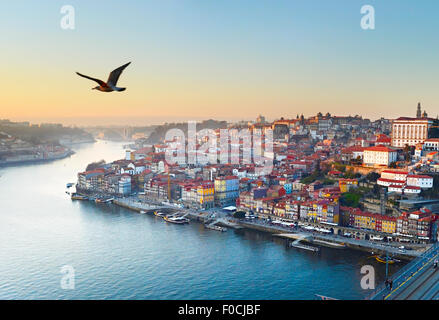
x=225 y=60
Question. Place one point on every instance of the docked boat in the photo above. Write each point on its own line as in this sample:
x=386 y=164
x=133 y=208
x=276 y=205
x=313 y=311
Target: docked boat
x=304 y=247
x=384 y=259
x=160 y=214
x=216 y=228
x=176 y=220
x=69 y=185
x=76 y=196
x=142 y=212
x=103 y=200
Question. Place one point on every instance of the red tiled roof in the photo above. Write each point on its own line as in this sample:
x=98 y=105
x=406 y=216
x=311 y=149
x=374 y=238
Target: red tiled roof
x=395 y=172
x=419 y=176
x=380 y=148
x=391 y=180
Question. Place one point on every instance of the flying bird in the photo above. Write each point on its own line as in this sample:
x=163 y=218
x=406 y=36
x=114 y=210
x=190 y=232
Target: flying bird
x=110 y=85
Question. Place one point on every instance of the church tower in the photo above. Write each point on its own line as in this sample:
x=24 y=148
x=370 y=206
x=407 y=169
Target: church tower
x=419 y=112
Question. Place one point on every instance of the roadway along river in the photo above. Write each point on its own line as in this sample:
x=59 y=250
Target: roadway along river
x=119 y=254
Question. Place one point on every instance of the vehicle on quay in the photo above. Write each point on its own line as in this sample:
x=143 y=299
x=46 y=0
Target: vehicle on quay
x=176 y=220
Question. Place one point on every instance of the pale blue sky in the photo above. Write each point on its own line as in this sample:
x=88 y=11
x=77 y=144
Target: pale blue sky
x=228 y=59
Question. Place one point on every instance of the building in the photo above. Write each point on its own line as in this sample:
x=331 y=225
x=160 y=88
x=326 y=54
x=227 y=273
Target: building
x=410 y=131
x=346 y=185
x=404 y=182
x=91 y=180
x=419 y=225
x=226 y=190
x=379 y=156
x=431 y=144
x=372 y=221
x=319 y=211
x=125 y=184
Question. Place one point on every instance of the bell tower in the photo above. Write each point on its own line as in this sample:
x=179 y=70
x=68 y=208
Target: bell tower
x=419 y=112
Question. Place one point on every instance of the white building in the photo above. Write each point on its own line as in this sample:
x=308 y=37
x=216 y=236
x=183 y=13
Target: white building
x=394 y=175
x=125 y=184
x=410 y=131
x=421 y=181
x=379 y=155
x=431 y=144
x=404 y=182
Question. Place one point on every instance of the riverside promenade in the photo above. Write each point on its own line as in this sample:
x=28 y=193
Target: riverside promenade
x=316 y=238
x=328 y=239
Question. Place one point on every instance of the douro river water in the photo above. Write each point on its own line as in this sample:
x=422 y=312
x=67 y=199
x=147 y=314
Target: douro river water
x=119 y=254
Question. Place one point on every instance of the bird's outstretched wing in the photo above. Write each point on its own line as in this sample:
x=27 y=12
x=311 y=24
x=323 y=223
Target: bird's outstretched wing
x=102 y=83
x=115 y=74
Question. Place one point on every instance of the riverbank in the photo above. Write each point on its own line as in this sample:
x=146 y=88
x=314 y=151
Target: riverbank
x=333 y=241
x=325 y=240
x=9 y=163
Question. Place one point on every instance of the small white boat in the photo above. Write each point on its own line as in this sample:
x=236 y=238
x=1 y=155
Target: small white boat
x=176 y=220
x=142 y=212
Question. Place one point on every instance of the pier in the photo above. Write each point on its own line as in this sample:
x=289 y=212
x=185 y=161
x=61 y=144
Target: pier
x=141 y=206
x=333 y=241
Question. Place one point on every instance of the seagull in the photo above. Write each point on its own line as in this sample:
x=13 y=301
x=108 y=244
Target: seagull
x=110 y=85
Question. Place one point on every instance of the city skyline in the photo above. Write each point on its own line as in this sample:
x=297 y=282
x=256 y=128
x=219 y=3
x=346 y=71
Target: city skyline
x=195 y=61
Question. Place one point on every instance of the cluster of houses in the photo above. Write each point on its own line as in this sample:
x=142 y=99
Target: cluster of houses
x=420 y=225
x=300 y=149
x=404 y=182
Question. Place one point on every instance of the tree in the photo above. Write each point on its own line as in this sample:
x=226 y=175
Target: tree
x=95 y=165
x=239 y=215
x=372 y=176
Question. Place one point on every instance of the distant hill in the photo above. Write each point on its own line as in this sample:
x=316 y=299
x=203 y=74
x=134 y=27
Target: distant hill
x=159 y=133
x=44 y=133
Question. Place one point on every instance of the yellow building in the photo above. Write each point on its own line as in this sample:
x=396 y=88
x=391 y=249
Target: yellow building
x=206 y=195
x=347 y=184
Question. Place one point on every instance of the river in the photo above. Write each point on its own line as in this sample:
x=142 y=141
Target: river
x=118 y=254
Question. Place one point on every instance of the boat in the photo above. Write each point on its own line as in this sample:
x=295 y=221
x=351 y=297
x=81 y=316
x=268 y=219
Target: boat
x=142 y=212
x=76 y=196
x=384 y=259
x=330 y=244
x=69 y=185
x=160 y=214
x=216 y=228
x=304 y=247
x=176 y=220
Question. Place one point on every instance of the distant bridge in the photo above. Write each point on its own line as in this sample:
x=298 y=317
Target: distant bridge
x=418 y=280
